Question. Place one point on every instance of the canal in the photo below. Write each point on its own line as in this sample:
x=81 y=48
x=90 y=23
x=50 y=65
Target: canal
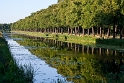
x=53 y=60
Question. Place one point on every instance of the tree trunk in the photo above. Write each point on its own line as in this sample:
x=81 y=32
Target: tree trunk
x=100 y=31
x=75 y=31
x=92 y=50
x=83 y=31
x=121 y=32
x=50 y=30
x=93 y=31
x=88 y=32
x=45 y=30
x=61 y=30
x=88 y=49
x=108 y=33
x=97 y=31
x=55 y=30
x=114 y=31
x=68 y=30
x=103 y=32
x=71 y=31
x=78 y=30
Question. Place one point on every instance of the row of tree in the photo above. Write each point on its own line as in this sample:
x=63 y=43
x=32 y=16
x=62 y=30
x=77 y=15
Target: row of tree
x=4 y=27
x=73 y=16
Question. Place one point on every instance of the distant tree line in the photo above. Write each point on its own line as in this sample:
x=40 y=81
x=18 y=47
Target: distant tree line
x=79 y=17
x=4 y=27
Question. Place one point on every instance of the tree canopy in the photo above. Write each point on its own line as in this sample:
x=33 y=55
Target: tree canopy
x=74 y=13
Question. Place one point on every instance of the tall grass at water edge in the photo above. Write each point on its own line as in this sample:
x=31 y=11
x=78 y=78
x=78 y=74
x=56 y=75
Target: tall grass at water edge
x=9 y=71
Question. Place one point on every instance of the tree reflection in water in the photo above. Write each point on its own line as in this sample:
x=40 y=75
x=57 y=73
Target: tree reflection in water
x=78 y=63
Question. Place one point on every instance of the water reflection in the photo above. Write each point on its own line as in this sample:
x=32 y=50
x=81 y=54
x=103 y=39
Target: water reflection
x=78 y=63
x=42 y=72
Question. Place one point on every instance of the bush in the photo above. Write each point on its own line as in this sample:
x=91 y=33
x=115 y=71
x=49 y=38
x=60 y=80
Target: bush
x=47 y=34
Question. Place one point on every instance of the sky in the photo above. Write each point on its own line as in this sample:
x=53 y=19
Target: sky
x=13 y=10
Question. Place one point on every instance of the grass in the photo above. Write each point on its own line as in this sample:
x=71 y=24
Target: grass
x=116 y=44
x=9 y=71
x=85 y=40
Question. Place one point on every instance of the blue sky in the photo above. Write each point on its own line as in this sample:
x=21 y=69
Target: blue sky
x=13 y=10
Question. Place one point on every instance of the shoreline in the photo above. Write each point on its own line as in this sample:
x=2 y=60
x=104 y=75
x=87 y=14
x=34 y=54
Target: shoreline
x=61 y=37
x=10 y=71
x=83 y=40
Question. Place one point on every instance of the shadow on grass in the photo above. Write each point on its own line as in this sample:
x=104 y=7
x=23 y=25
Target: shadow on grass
x=114 y=42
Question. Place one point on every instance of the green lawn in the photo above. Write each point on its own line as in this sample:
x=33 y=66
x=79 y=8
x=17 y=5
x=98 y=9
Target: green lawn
x=85 y=40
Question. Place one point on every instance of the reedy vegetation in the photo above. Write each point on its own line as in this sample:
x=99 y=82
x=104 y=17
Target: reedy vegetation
x=9 y=71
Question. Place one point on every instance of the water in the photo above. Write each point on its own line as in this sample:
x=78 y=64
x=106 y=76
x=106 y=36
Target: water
x=67 y=61
x=43 y=73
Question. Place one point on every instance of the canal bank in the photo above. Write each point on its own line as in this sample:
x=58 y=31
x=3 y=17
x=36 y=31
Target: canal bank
x=76 y=62
x=42 y=72
x=97 y=42
x=87 y=40
x=9 y=70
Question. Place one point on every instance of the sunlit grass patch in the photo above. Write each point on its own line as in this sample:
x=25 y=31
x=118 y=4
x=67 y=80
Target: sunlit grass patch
x=62 y=37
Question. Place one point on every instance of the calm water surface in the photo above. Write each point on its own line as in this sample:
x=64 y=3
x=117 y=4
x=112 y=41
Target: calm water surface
x=52 y=59
x=43 y=73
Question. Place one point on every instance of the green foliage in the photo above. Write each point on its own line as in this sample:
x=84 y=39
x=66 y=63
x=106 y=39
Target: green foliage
x=9 y=71
x=73 y=13
x=5 y=27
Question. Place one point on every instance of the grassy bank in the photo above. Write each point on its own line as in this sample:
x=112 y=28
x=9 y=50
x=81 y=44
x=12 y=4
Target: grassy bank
x=116 y=44
x=9 y=71
x=85 y=40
